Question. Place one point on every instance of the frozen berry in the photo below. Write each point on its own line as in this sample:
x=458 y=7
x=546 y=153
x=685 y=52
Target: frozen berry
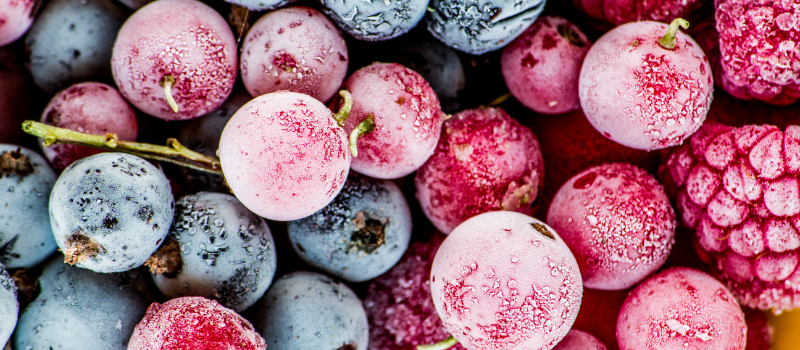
x=623 y=11
x=296 y=49
x=759 y=331
x=16 y=17
x=407 y=115
x=618 y=222
x=738 y=188
x=644 y=89
x=438 y=64
x=541 y=66
x=579 y=340
x=193 y=323
x=485 y=161
x=89 y=107
x=375 y=20
x=9 y=306
x=504 y=280
x=681 y=308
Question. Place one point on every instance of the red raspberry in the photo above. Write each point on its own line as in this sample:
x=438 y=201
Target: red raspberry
x=738 y=188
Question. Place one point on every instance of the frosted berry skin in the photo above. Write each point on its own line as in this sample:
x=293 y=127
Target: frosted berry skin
x=296 y=49
x=399 y=304
x=408 y=119
x=310 y=311
x=759 y=331
x=681 y=308
x=541 y=66
x=227 y=253
x=194 y=323
x=480 y=26
x=80 y=309
x=16 y=16
x=362 y=233
x=192 y=43
x=261 y=5
x=757 y=43
x=485 y=161
x=623 y=11
x=9 y=306
x=579 y=340
x=617 y=220
x=89 y=107
x=113 y=209
x=439 y=65
x=738 y=188
x=642 y=95
x=26 y=180
x=283 y=155
x=504 y=280
x=375 y=20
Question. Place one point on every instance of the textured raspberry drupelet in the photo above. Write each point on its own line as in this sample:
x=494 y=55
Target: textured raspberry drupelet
x=738 y=187
x=399 y=304
x=759 y=46
x=579 y=340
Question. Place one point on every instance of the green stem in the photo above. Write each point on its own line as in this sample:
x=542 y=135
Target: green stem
x=496 y=102
x=174 y=152
x=365 y=127
x=668 y=41
x=168 y=81
x=344 y=110
x=442 y=345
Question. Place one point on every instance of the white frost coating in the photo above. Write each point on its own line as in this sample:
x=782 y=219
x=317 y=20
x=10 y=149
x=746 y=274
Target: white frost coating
x=676 y=326
x=375 y=20
x=120 y=201
x=9 y=307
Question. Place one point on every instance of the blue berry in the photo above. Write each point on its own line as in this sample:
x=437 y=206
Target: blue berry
x=358 y=236
x=226 y=252
x=9 y=306
x=262 y=5
x=25 y=183
x=109 y=212
x=310 y=311
x=80 y=309
x=439 y=65
x=375 y=20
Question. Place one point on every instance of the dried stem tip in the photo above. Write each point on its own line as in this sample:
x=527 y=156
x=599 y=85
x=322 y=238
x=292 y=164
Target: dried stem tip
x=15 y=163
x=668 y=41
x=166 y=260
x=80 y=247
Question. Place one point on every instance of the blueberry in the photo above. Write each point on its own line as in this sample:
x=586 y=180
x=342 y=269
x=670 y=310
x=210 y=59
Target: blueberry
x=360 y=235
x=109 y=212
x=226 y=252
x=310 y=311
x=80 y=309
x=9 y=306
x=375 y=20
x=439 y=65
x=262 y=5
x=480 y=26
x=70 y=42
x=25 y=183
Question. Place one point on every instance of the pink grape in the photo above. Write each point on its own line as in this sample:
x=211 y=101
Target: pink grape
x=504 y=280
x=296 y=49
x=408 y=119
x=182 y=39
x=283 y=155
x=90 y=107
x=16 y=16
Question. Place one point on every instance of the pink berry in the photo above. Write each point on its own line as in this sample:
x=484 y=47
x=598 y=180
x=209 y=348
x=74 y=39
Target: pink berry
x=759 y=331
x=407 y=115
x=16 y=16
x=181 y=44
x=485 y=161
x=296 y=49
x=283 y=155
x=542 y=65
x=757 y=42
x=504 y=280
x=579 y=340
x=618 y=222
x=399 y=304
x=738 y=188
x=681 y=308
x=194 y=323
x=90 y=107
x=623 y=11
x=642 y=95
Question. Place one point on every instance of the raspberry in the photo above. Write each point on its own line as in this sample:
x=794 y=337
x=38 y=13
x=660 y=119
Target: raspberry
x=758 y=43
x=738 y=188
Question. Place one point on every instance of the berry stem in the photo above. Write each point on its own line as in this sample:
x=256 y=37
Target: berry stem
x=174 y=152
x=344 y=110
x=365 y=127
x=442 y=345
x=668 y=41
x=168 y=81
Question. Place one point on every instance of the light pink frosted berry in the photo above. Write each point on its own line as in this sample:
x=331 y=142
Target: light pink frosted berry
x=579 y=340
x=738 y=188
x=618 y=222
x=16 y=17
x=681 y=308
x=642 y=95
x=194 y=323
x=506 y=281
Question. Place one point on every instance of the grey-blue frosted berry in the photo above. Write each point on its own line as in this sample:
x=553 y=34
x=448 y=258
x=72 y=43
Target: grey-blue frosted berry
x=9 y=306
x=375 y=20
